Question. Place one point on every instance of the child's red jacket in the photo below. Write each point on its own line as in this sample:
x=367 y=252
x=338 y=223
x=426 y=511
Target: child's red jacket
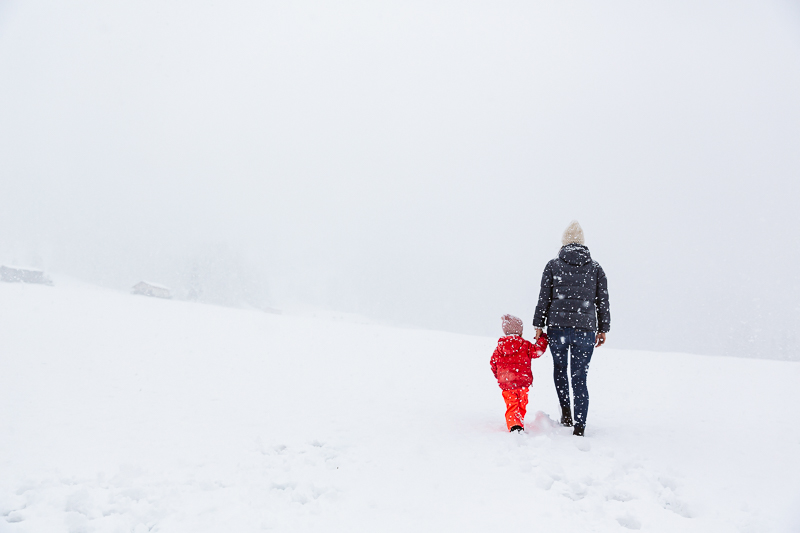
x=511 y=361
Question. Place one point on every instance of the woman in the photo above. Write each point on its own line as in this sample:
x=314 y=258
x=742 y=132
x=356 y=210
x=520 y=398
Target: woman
x=573 y=304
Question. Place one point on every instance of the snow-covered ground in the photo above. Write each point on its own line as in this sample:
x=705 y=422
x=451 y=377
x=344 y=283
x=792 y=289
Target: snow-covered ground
x=124 y=413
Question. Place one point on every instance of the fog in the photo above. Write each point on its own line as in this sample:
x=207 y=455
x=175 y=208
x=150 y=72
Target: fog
x=415 y=162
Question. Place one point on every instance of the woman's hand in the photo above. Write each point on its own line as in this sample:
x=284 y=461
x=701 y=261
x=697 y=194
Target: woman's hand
x=537 y=334
x=600 y=340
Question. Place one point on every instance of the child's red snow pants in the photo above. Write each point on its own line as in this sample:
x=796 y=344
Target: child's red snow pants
x=516 y=405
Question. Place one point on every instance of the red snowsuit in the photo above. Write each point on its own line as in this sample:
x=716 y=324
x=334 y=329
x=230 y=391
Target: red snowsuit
x=511 y=365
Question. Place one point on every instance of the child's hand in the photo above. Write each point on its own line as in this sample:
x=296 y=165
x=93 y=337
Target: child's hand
x=537 y=334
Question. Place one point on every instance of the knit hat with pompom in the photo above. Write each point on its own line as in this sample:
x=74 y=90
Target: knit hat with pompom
x=511 y=325
x=573 y=234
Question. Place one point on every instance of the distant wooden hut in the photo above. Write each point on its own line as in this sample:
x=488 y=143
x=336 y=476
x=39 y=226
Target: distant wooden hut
x=23 y=275
x=146 y=288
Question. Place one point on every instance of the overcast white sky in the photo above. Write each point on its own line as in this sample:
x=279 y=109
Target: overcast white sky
x=415 y=162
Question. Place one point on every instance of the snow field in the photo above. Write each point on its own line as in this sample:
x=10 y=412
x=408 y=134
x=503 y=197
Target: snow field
x=123 y=413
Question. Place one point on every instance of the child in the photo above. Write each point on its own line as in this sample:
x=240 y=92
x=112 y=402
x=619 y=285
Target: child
x=511 y=365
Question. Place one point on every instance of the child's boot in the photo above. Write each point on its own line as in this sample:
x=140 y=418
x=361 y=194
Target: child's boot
x=566 y=416
x=516 y=429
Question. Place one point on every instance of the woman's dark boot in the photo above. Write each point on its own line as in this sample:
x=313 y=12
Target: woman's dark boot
x=566 y=417
x=578 y=430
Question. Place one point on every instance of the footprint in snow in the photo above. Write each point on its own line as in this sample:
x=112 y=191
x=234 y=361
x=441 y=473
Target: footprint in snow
x=630 y=522
x=544 y=482
x=582 y=444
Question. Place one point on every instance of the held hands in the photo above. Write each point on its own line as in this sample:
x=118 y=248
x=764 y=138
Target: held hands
x=600 y=340
x=537 y=334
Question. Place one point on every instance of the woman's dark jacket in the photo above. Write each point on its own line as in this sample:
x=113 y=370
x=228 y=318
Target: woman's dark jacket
x=574 y=292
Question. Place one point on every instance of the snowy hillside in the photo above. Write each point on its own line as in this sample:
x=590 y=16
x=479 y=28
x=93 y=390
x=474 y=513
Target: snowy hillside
x=123 y=413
